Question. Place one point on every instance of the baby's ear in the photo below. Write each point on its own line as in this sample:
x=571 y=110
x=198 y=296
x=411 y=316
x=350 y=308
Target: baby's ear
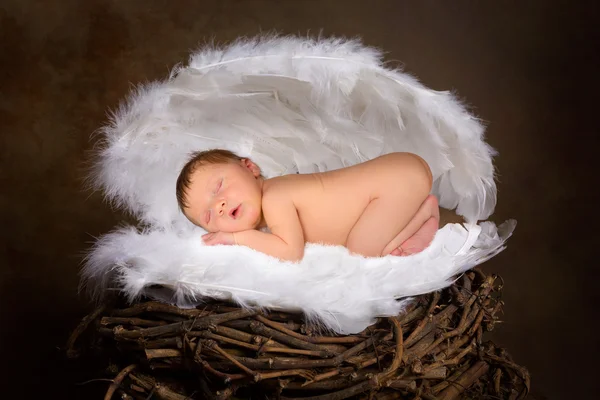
x=255 y=169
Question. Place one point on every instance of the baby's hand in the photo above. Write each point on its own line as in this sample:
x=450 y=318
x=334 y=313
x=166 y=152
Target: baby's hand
x=213 y=238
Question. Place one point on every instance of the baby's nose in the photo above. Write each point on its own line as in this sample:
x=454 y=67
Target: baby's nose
x=221 y=207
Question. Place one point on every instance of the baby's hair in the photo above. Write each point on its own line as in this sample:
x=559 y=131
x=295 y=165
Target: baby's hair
x=198 y=159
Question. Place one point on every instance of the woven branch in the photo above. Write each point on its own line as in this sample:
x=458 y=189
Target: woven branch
x=434 y=350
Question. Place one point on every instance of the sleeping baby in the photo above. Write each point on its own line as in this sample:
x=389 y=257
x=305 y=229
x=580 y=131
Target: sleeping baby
x=376 y=208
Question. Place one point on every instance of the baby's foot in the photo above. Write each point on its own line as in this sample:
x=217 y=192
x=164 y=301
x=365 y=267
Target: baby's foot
x=420 y=240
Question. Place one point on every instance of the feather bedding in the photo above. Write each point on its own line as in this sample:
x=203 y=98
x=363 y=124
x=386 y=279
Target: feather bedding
x=292 y=105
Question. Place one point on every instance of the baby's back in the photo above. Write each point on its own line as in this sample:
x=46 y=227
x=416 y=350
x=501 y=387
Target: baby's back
x=330 y=203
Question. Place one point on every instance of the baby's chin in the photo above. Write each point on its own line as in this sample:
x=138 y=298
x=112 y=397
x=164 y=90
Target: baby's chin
x=248 y=222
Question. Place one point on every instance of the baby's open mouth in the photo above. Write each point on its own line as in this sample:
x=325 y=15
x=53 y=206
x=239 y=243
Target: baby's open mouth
x=235 y=212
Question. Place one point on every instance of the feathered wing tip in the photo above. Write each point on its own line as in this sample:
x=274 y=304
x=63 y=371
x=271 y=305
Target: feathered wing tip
x=250 y=55
x=102 y=265
x=117 y=261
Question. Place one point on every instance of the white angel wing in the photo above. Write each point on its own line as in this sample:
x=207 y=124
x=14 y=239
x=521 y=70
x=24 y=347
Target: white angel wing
x=292 y=105
x=343 y=292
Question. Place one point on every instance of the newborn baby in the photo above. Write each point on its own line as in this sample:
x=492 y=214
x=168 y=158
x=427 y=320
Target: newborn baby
x=375 y=208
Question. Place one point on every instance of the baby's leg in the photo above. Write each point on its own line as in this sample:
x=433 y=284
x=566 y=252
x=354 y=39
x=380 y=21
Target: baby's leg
x=419 y=240
x=385 y=216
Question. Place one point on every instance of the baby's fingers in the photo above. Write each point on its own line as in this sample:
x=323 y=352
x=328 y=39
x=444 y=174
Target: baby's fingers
x=208 y=238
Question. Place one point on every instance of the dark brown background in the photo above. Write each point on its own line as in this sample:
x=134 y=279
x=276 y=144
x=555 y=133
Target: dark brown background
x=527 y=68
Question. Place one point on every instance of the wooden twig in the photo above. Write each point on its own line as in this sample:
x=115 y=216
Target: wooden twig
x=413 y=352
x=162 y=391
x=244 y=336
x=232 y=333
x=169 y=342
x=446 y=350
x=342 y=394
x=311 y=339
x=271 y=349
x=261 y=329
x=464 y=381
x=468 y=314
x=335 y=339
x=497 y=378
x=130 y=321
x=325 y=385
x=439 y=320
x=389 y=372
x=489 y=326
x=154 y=306
x=462 y=325
x=162 y=353
x=408 y=387
x=433 y=373
x=522 y=372
x=409 y=317
x=82 y=327
x=357 y=365
x=364 y=360
x=181 y=327
x=412 y=337
x=214 y=346
x=453 y=361
x=452 y=378
x=358 y=348
x=117 y=381
x=261 y=348
x=227 y=378
x=223 y=394
x=196 y=350
x=477 y=322
x=224 y=339
x=288 y=372
x=280 y=327
x=282 y=363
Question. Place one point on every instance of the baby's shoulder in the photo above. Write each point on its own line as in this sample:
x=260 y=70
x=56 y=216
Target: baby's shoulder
x=278 y=187
x=285 y=187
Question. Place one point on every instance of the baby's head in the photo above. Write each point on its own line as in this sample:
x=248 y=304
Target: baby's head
x=219 y=191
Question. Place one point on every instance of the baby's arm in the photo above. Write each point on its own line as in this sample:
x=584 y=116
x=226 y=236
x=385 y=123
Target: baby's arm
x=286 y=240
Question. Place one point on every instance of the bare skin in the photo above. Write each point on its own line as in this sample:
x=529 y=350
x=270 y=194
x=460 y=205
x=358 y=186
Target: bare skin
x=376 y=208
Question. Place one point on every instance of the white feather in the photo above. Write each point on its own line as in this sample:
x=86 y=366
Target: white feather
x=293 y=106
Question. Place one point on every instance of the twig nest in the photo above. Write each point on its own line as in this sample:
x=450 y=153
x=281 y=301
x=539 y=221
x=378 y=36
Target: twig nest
x=434 y=350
